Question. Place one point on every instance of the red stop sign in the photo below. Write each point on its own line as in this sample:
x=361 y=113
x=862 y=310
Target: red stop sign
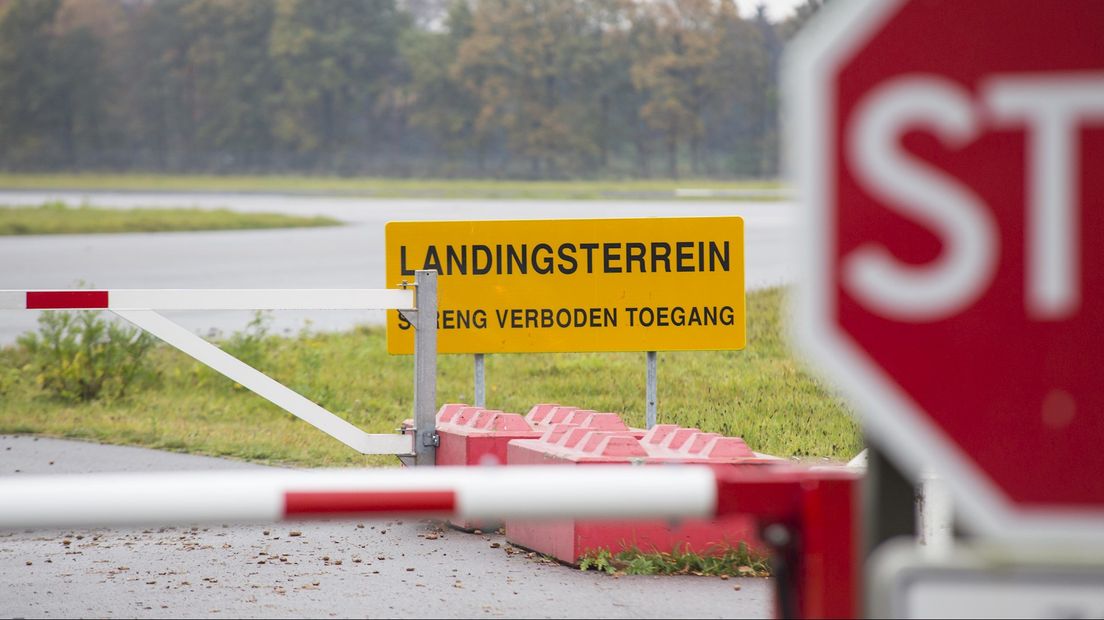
x=951 y=155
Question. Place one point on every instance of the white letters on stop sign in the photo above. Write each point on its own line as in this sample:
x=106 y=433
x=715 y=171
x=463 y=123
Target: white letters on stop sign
x=1052 y=109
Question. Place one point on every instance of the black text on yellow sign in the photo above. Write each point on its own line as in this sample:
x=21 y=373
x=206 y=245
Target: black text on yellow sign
x=527 y=286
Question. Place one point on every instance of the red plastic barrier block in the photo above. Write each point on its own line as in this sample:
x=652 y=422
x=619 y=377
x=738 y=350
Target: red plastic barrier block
x=444 y=415
x=705 y=449
x=603 y=421
x=543 y=449
x=568 y=445
x=480 y=437
x=574 y=416
x=552 y=434
x=568 y=541
x=569 y=436
x=463 y=415
x=555 y=415
x=675 y=439
x=447 y=412
x=481 y=419
x=655 y=436
x=539 y=412
x=727 y=448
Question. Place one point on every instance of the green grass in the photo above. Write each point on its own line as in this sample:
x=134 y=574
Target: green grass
x=56 y=218
x=729 y=561
x=386 y=188
x=761 y=394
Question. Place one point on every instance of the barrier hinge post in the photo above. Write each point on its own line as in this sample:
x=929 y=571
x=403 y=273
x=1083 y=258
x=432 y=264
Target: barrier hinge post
x=425 y=368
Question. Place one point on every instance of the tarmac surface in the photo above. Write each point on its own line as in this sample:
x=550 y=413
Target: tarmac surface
x=313 y=569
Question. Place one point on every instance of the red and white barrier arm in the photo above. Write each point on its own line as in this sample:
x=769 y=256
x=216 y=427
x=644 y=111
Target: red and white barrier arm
x=92 y=500
x=140 y=308
x=208 y=299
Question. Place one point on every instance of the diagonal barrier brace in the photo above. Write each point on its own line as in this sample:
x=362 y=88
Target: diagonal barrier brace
x=139 y=306
x=266 y=387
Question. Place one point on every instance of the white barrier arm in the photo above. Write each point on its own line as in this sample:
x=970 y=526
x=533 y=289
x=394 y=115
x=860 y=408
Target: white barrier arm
x=266 y=387
x=209 y=299
x=263 y=299
x=254 y=496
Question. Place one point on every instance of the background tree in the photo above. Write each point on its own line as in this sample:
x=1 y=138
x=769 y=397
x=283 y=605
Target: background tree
x=572 y=88
x=441 y=105
x=29 y=92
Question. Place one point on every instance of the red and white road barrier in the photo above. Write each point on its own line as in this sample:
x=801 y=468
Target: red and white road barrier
x=207 y=299
x=148 y=499
x=818 y=510
x=140 y=306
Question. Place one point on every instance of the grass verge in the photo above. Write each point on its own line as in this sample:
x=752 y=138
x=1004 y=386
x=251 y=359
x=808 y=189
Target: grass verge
x=761 y=394
x=392 y=188
x=57 y=218
x=733 y=561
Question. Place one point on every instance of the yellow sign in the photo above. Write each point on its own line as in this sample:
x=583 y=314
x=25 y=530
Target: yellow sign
x=526 y=286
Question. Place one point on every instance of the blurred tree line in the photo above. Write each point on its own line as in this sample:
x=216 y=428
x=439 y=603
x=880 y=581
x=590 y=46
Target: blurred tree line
x=493 y=88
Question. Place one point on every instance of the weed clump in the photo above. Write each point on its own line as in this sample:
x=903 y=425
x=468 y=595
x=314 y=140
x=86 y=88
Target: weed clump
x=80 y=357
x=720 y=561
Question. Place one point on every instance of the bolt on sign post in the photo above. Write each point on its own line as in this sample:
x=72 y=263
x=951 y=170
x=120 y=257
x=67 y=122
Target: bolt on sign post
x=541 y=286
x=949 y=157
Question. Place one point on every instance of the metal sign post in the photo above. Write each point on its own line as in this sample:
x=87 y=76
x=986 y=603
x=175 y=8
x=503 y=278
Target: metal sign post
x=650 y=392
x=480 y=383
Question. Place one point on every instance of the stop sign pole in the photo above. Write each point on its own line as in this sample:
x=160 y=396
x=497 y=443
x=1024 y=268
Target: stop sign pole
x=950 y=160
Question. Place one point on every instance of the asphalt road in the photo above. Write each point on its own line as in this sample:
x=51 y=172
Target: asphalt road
x=333 y=569
x=347 y=256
